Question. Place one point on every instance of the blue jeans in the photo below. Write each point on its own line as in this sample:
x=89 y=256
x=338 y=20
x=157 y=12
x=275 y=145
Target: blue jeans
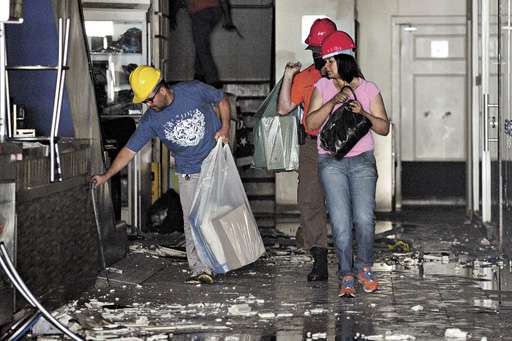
x=349 y=186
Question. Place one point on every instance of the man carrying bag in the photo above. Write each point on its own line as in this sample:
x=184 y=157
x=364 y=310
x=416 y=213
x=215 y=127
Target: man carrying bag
x=182 y=116
x=297 y=89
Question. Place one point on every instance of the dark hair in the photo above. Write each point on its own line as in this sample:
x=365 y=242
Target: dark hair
x=347 y=67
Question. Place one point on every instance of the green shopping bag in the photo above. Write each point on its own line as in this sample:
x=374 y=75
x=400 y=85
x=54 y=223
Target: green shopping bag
x=276 y=144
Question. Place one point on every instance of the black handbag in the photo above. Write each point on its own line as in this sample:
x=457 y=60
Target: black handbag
x=343 y=129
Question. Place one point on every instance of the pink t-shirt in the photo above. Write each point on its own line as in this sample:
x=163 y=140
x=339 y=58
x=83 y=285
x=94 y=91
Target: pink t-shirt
x=365 y=93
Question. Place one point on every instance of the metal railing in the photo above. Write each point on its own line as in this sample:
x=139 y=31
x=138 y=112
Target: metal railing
x=5 y=113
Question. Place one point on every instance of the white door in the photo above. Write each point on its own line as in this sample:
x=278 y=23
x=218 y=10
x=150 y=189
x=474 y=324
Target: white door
x=430 y=92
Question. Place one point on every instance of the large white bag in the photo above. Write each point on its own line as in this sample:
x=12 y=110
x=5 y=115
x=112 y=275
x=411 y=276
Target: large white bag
x=223 y=227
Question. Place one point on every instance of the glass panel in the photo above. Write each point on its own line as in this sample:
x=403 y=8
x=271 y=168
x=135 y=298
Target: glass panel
x=117 y=47
x=506 y=115
x=494 y=84
x=118 y=44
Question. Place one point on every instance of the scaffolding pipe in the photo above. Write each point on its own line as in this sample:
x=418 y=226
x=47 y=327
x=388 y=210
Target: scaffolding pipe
x=34 y=68
x=5 y=262
x=63 y=76
x=21 y=328
x=10 y=124
x=59 y=100
x=12 y=278
x=55 y=103
x=2 y=84
x=99 y=231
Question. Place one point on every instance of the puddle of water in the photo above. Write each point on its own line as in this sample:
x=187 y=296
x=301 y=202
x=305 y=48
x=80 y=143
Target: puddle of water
x=383 y=267
x=486 y=303
x=488 y=276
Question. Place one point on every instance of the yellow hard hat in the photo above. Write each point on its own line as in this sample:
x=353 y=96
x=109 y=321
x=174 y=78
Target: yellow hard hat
x=143 y=80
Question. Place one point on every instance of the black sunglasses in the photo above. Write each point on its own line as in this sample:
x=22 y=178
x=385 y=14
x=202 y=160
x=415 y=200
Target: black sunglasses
x=157 y=89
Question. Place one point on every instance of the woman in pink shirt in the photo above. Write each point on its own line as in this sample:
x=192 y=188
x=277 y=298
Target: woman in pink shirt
x=349 y=183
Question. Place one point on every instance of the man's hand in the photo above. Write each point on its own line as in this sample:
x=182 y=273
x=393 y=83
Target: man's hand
x=291 y=69
x=223 y=134
x=99 y=180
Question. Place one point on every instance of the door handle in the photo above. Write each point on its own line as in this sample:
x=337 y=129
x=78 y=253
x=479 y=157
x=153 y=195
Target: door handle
x=488 y=122
x=485 y=99
x=493 y=123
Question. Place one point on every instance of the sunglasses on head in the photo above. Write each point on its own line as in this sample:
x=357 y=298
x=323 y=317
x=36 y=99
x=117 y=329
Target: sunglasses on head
x=150 y=99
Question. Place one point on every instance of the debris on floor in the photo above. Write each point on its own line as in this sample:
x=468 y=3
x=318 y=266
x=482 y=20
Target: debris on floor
x=455 y=333
x=157 y=250
x=449 y=285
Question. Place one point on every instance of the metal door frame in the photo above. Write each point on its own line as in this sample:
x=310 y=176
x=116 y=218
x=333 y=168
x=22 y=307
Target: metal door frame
x=486 y=21
x=486 y=154
x=398 y=23
x=473 y=186
x=481 y=9
x=501 y=130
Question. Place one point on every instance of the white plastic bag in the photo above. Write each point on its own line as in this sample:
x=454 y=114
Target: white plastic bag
x=276 y=145
x=223 y=227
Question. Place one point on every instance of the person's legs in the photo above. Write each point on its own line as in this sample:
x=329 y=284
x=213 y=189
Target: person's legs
x=198 y=36
x=203 y=23
x=333 y=174
x=363 y=179
x=311 y=200
x=187 y=190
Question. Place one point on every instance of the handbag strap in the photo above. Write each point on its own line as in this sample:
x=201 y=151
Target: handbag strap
x=351 y=90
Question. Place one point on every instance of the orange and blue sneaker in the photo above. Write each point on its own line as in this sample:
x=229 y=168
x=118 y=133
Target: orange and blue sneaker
x=347 y=287
x=365 y=277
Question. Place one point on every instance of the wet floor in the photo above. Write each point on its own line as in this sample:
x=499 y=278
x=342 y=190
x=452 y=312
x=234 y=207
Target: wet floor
x=451 y=283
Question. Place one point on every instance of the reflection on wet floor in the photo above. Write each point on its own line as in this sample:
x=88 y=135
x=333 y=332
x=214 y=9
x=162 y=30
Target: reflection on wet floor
x=270 y=301
x=439 y=288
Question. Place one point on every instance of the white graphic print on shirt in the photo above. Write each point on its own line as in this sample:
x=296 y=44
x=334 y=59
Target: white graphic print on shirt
x=187 y=130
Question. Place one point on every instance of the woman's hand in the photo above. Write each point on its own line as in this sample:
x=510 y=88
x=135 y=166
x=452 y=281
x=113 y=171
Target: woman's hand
x=342 y=96
x=356 y=107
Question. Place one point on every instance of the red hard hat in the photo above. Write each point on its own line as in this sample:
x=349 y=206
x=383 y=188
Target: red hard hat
x=336 y=43
x=320 y=29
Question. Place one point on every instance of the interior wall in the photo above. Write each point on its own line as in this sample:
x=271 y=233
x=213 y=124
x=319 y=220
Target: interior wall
x=246 y=58
x=289 y=43
x=375 y=57
x=374 y=50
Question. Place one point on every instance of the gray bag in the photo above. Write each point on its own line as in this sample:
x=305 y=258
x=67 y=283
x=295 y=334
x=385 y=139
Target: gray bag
x=276 y=144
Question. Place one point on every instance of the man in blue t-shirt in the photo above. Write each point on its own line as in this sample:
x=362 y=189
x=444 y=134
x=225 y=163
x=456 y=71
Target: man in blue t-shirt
x=184 y=119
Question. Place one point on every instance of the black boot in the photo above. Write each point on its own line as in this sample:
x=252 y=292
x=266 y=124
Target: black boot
x=319 y=271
